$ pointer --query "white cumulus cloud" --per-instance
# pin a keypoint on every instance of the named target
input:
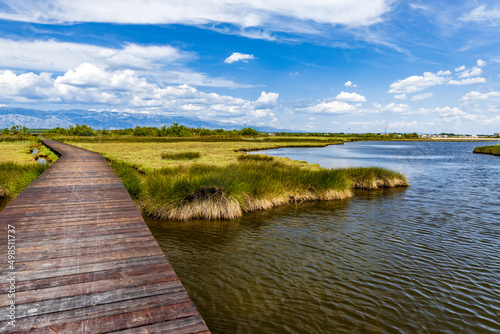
(467, 81)
(350, 84)
(480, 96)
(335, 107)
(236, 56)
(416, 83)
(481, 63)
(421, 97)
(164, 62)
(400, 96)
(351, 97)
(267, 99)
(397, 108)
(473, 72)
(125, 90)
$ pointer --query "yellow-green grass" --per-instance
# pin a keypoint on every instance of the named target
(18, 152)
(14, 177)
(147, 155)
(494, 150)
(18, 166)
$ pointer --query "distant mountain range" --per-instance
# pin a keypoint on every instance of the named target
(48, 119)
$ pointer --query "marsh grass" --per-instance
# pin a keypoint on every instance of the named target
(494, 149)
(210, 192)
(180, 155)
(255, 157)
(375, 178)
(14, 177)
(129, 176)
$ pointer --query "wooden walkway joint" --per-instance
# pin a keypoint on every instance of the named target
(82, 259)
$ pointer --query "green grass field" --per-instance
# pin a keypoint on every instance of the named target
(148, 155)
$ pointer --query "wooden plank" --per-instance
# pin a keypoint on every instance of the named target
(48, 319)
(86, 261)
(36, 284)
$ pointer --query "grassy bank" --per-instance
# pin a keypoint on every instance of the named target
(18, 166)
(226, 192)
(14, 177)
(494, 150)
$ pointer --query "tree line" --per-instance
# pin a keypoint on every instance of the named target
(174, 130)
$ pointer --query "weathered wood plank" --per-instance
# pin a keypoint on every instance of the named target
(85, 260)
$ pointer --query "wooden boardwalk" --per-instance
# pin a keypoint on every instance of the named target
(85, 260)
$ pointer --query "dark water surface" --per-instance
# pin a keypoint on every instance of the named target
(425, 259)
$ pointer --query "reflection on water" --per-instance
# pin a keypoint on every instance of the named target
(416, 260)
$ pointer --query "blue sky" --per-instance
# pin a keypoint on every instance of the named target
(316, 65)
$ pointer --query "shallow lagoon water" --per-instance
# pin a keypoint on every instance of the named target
(419, 260)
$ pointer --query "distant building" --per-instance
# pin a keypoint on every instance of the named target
(496, 134)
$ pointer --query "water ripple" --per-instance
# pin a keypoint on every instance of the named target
(420, 260)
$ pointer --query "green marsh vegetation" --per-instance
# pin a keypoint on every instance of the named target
(14, 177)
(18, 166)
(181, 173)
(201, 191)
(493, 150)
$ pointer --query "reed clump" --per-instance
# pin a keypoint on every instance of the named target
(180, 155)
(375, 178)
